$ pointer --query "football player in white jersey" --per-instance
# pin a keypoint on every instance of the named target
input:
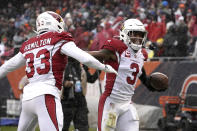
(126, 55)
(45, 57)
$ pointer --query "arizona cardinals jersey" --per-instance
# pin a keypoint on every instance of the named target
(44, 63)
(128, 66)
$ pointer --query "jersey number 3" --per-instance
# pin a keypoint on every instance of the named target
(134, 74)
(44, 56)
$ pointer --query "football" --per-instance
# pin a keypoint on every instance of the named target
(159, 81)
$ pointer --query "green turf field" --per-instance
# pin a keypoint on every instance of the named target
(11, 128)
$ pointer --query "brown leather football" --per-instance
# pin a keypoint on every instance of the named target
(159, 81)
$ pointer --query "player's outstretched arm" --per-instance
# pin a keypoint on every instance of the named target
(72, 50)
(103, 54)
(146, 80)
(15, 62)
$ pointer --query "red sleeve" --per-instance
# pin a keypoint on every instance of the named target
(63, 36)
(22, 47)
(114, 45)
(145, 54)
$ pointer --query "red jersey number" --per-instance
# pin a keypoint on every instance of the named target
(30, 67)
(44, 56)
(134, 74)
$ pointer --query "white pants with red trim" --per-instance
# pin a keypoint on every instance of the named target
(44, 109)
(117, 116)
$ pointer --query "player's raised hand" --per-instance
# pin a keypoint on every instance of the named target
(109, 69)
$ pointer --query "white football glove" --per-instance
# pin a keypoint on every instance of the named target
(109, 69)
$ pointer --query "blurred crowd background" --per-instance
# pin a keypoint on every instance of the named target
(171, 24)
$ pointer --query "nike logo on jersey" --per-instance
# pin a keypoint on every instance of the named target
(109, 41)
(37, 44)
(127, 54)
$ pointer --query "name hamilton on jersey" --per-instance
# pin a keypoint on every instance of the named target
(37, 44)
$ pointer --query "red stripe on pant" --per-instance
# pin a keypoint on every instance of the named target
(51, 108)
(100, 110)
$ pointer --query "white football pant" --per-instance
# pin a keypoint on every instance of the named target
(113, 116)
(44, 109)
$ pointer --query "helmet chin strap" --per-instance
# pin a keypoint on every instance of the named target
(131, 49)
(135, 47)
(135, 51)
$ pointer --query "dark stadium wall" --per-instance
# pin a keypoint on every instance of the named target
(182, 80)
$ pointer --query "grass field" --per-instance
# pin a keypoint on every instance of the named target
(12, 128)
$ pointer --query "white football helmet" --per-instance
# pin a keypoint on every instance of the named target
(128, 30)
(49, 21)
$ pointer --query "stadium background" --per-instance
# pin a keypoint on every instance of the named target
(103, 17)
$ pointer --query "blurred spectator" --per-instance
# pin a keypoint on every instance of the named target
(182, 38)
(8, 49)
(98, 29)
(149, 50)
(117, 24)
(11, 31)
(95, 45)
(170, 41)
(69, 22)
(192, 25)
(2, 48)
(164, 13)
(83, 40)
(155, 29)
(159, 50)
(18, 39)
(179, 12)
(176, 39)
(102, 36)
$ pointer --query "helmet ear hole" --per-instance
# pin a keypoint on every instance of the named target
(59, 27)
